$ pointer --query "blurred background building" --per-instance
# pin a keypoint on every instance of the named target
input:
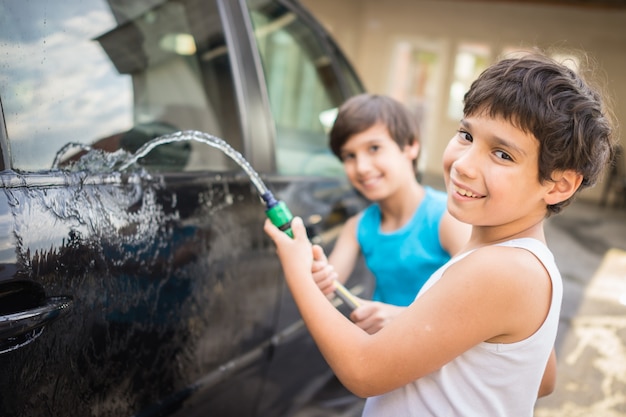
(427, 52)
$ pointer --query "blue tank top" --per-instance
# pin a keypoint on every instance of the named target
(403, 260)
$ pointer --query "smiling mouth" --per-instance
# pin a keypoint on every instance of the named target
(367, 182)
(466, 193)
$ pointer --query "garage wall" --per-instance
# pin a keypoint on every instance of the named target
(370, 32)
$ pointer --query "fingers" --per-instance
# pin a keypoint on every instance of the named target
(326, 282)
(284, 243)
(324, 276)
(318, 253)
(323, 273)
(299, 231)
(294, 254)
(319, 259)
(370, 316)
(297, 227)
(272, 231)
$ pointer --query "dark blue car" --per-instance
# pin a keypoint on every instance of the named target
(144, 285)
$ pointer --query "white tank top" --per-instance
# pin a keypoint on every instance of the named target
(489, 380)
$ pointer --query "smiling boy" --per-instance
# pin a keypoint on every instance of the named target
(406, 233)
(477, 339)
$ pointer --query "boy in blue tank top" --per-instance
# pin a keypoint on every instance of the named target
(406, 234)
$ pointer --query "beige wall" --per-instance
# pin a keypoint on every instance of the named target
(369, 30)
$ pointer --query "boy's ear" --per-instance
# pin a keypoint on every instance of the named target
(412, 150)
(563, 185)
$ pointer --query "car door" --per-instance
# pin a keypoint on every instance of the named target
(142, 284)
(137, 287)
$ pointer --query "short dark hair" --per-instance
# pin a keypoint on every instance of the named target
(361, 112)
(556, 105)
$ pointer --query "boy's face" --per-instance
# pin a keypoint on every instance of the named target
(375, 164)
(491, 172)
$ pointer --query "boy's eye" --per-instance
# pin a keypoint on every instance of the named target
(347, 156)
(465, 135)
(503, 155)
(374, 148)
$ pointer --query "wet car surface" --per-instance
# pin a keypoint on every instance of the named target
(146, 286)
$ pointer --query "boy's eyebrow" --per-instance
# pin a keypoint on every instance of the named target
(500, 141)
(371, 141)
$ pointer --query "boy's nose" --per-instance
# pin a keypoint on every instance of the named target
(363, 164)
(466, 163)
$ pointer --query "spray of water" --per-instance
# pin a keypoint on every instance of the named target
(276, 210)
(214, 141)
(61, 153)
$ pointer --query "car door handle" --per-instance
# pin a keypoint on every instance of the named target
(20, 328)
(19, 323)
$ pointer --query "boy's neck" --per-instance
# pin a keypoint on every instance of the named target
(398, 210)
(491, 235)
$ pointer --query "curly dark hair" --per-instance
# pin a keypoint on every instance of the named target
(362, 111)
(556, 105)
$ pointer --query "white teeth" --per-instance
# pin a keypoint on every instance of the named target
(465, 193)
(368, 181)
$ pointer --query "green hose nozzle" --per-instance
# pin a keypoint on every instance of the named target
(280, 216)
(278, 213)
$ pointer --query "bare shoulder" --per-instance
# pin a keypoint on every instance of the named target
(503, 266)
(353, 220)
(512, 283)
(494, 294)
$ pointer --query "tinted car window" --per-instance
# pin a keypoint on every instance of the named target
(303, 90)
(114, 75)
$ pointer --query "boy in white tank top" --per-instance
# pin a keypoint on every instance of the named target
(478, 338)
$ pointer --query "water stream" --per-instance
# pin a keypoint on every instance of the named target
(208, 139)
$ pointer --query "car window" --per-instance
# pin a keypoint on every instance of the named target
(303, 90)
(118, 76)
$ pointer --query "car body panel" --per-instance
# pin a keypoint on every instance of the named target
(152, 290)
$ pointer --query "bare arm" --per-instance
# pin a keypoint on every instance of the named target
(548, 382)
(467, 306)
(346, 250)
(453, 234)
(372, 316)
